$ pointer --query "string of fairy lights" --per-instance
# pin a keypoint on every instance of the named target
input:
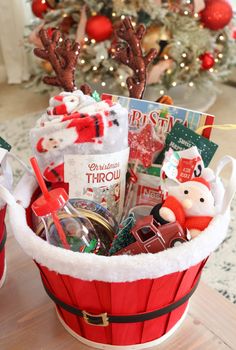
(101, 67)
(182, 64)
(93, 42)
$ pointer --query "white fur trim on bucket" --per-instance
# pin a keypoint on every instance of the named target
(124, 268)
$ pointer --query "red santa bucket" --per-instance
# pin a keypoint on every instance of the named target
(122, 314)
(3, 237)
(121, 301)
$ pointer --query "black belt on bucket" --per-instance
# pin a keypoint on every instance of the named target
(4, 238)
(104, 319)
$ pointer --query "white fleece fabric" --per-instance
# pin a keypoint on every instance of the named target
(121, 268)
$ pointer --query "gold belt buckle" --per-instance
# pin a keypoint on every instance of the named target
(96, 320)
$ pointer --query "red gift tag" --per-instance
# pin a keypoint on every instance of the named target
(186, 168)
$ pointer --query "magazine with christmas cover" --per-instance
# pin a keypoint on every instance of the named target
(161, 116)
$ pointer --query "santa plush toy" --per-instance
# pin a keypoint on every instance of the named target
(191, 204)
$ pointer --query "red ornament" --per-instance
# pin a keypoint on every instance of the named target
(208, 60)
(39, 8)
(144, 145)
(99, 28)
(217, 14)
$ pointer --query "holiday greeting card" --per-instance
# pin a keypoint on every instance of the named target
(181, 138)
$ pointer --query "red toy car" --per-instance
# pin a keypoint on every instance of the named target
(152, 238)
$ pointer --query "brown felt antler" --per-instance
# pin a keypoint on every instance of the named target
(132, 56)
(63, 55)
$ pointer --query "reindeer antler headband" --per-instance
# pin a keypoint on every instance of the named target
(132, 56)
(63, 56)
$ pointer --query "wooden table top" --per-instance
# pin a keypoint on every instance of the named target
(28, 320)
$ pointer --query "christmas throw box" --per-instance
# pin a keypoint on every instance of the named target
(99, 178)
(84, 142)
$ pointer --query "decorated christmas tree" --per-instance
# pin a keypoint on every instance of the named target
(195, 40)
(124, 237)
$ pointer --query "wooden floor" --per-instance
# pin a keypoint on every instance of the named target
(28, 320)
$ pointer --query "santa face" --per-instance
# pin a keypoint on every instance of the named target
(60, 105)
(59, 140)
(50, 143)
(197, 200)
(89, 193)
(72, 103)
